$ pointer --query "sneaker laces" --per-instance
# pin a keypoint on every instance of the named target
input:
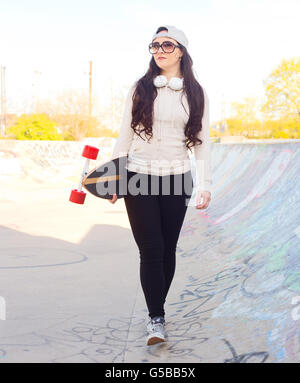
(157, 323)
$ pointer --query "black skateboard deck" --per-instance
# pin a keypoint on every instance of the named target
(107, 179)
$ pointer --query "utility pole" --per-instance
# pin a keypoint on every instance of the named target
(113, 104)
(35, 91)
(3, 103)
(90, 91)
(223, 113)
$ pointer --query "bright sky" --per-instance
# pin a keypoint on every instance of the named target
(234, 44)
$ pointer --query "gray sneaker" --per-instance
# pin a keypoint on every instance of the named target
(156, 331)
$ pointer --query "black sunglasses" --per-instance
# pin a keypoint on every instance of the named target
(167, 47)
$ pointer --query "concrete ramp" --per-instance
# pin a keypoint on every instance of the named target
(69, 274)
(49, 161)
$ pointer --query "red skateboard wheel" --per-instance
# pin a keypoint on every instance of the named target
(77, 196)
(90, 152)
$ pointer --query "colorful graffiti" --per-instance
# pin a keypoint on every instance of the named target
(47, 160)
(253, 222)
(236, 298)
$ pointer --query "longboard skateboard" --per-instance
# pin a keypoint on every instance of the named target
(104, 180)
(107, 179)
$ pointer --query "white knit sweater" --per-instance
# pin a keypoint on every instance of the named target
(165, 153)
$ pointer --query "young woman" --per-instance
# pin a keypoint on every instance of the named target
(166, 114)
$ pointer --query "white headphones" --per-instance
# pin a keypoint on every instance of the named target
(174, 83)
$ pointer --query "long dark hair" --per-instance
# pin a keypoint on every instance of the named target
(146, 92)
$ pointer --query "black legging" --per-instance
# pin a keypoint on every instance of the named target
(156, 220)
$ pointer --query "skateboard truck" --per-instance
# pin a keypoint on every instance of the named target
(90, 153)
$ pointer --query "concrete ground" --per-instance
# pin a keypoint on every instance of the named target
(69, 274)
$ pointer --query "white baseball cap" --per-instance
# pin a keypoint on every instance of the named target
(174, 33)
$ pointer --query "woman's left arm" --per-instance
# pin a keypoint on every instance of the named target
(202, 155)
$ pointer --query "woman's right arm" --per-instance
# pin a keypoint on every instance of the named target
(125, 137)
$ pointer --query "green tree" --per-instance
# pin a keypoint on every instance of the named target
(34, 127)
(282, 90)
(244, 118)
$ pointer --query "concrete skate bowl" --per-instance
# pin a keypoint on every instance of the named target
(240, 280)
(48, 161)
(255, 206)
(252, 237)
